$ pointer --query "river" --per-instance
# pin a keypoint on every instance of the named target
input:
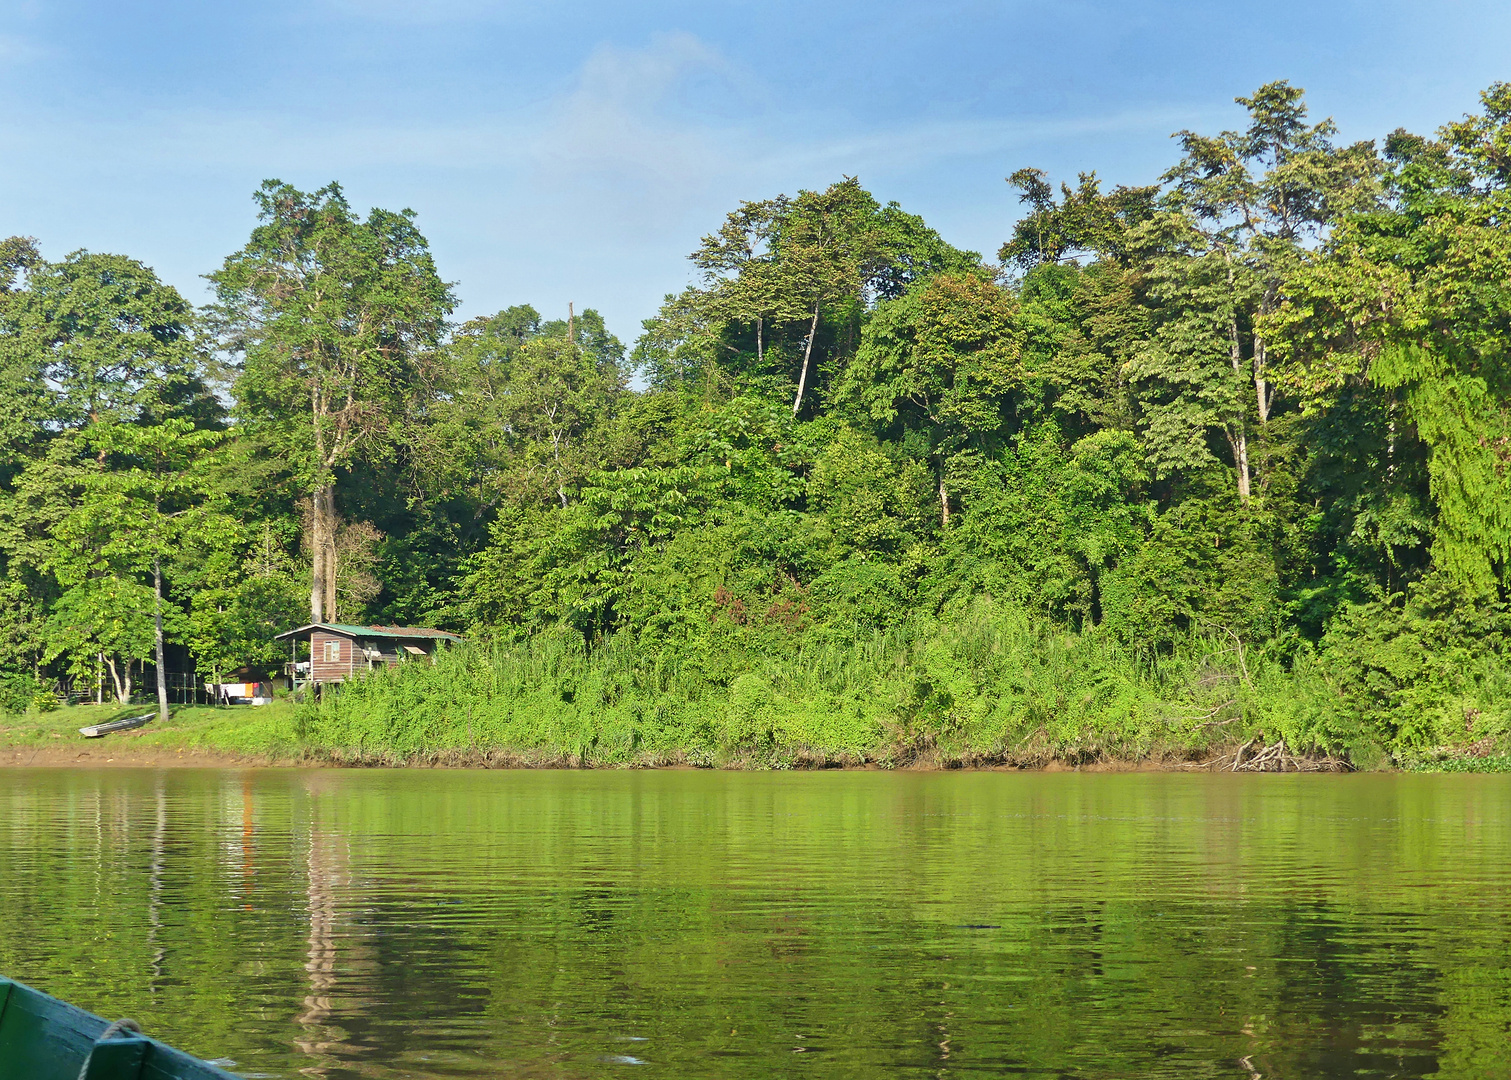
(427, 924)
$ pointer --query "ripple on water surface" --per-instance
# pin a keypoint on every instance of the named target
(553, 924)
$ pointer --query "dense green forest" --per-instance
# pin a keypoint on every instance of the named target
(1220, 458)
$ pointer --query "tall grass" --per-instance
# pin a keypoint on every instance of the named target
(990, 683)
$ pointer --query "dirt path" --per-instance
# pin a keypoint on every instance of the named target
(73, 755)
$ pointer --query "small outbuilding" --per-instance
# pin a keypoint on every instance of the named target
(246, 686)
(339, 650)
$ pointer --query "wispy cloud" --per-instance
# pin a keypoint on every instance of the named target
(921, 145)
(627, 129)
(595, 191)
(415, 12)
(15, 50)
(622, 134)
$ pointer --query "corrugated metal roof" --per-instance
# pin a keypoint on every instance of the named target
(351, 630)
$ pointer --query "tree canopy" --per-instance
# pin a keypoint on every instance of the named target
(1260, 400)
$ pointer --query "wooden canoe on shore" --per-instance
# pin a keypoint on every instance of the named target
(42, 1038)
(94, 731)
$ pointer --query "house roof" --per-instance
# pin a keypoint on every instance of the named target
(349, 630)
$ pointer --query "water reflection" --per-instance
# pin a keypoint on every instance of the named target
(375, 924)
(327, 865)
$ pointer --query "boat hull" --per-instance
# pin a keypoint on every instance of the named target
(95, 731)
(43, 1038)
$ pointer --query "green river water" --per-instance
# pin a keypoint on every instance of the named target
(704, 924)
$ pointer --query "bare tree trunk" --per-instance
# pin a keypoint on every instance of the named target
(122, 695)
(157, 631)
(1241, 453)
(1261, 385)
(323, 552)
(1390, 438)
(1239, 439)
(317, 545)
(802, 381)
(331, 566)
(944, 502)
(317, 559)
(760, 351)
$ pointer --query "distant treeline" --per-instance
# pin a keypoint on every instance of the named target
(1252, 420)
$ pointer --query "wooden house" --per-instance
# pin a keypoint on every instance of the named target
(339, 651)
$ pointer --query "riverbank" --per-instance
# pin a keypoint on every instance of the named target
(286, 733)
(987, 686)
(269, 736)
(195, 736)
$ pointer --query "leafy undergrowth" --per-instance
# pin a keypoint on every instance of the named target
(990, 685)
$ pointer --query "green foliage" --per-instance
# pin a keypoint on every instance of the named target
(328, 312)
(1419, 671)
(110, 341)
(989, 683)
(1463, 417)
(941, 358)
(244, 590)
(1084, 221)
(1045, 523)
(1205, 566)
(17, 691)
(1205, 460)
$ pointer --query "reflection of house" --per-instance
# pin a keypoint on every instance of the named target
(338, 650)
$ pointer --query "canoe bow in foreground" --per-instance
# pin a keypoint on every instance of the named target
(42, 1038)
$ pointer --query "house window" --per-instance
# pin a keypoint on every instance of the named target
(332, 651)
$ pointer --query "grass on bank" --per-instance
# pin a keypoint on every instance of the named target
(989, 685)
(234, 728)
(982, 690)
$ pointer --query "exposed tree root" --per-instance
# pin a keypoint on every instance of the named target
(1272, 758)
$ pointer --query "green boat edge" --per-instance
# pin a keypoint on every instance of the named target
(43, 1038)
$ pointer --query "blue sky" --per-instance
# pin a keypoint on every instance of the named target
(578, 152)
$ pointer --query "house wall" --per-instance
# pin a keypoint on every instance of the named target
(360, 654)
(382, 650)
(324, 670)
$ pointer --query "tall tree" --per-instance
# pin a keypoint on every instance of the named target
(742, 270)
(1084, 221)
(1189, 373)
(787, 268)
(1412, 300)
(24, 396)
(112, 342)
(1256, 198)
(556, 395)
(331, 314)
(939, 361)
(132, 519)
(92, 341)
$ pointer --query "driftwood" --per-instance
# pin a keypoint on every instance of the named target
(1272, 758)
